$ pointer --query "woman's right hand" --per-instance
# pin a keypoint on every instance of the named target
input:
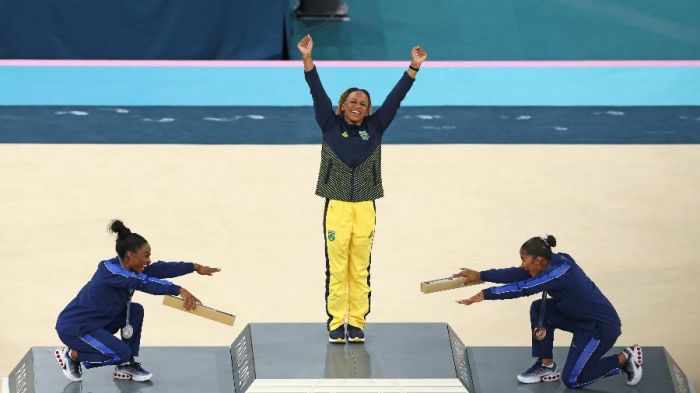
(306, 45)
(469, 274)
(190, 300)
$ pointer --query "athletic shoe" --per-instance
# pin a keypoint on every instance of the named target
(633, 365)
(71, 368)
(540, 373)
(132, 370)
(355, 334)
(337, 336)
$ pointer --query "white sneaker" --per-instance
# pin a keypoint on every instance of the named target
(71, 369)
(540, 373)
(633, 365)
(133, 371)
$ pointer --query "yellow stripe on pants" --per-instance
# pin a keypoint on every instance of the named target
(349, 232)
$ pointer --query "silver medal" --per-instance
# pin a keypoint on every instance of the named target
(127, 332)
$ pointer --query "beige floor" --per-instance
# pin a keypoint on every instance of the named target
(629, 214)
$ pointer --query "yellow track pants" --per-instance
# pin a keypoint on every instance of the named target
(349, 233)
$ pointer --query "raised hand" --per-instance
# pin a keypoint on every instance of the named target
(205, 270)
(306, 45)
(418, 56)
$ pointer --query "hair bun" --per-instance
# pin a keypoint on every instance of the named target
(119, 228)
(551, 241)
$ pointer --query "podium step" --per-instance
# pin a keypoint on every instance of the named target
(175, 370)
(297, 358)
(395, 356)
(356, 385)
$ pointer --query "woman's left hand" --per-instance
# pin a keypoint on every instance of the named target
(418, 56)
(205, 270)
(474, 299)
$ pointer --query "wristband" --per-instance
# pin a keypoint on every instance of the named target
(416, 69)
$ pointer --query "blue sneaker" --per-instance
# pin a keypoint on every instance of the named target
(540, 373)
(355, 334)
(132, 370)
(337, 336)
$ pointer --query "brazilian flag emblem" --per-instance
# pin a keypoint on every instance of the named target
(331, 235)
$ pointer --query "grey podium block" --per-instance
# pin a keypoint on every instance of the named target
(391, 351)
(284, 352)
(175, 370)
(494, 370)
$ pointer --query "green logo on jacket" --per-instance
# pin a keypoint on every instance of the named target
(331, 235)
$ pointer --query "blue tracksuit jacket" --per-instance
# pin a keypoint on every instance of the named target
(575, 294)
(105, 296)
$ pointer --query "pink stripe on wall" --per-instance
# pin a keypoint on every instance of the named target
(349, 64)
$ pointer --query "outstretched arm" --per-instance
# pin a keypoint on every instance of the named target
(114, 275)
(323, 108)
(205, 270)
(386, 113)
(545, 281)
(418, 56)
(162, 269)
(479, 296)
(305, 46)
(504, 276)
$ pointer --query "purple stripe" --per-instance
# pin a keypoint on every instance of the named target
(349, 64)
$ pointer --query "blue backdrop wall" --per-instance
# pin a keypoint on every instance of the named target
(154, 29)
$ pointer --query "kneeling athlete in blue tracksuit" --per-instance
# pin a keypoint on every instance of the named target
(576, 305)
(103, 306)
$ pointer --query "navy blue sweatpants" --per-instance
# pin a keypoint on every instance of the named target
(101, 348)
(585, 363)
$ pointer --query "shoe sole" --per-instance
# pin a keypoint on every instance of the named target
(336, 340)
(638, 360)
(64, 367)
(356, 340)
(637, 377)
(127, 376)
(546, 378)
(638, 354)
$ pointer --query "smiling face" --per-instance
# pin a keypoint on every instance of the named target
(136, 261)
(533, 265)
(355, 107)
